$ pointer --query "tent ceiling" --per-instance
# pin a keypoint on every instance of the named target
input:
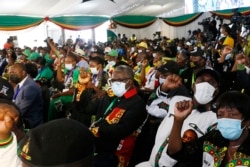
(51, 8)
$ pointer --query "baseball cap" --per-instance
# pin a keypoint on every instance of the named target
(57, 143)
(170, 66)
(229, 41)
(79, 52)
(6, 90)
(210, 71)
(26, 52)
(143, 44)
(197, 51)
(107, 49)
(113, 53)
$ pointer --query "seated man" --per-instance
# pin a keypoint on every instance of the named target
(27, 95)
(158, 106)
(118, 125)
(201, 119)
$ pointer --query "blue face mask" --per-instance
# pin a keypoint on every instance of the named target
(162, 80)
(230, 128)
(118, 88)
(39, 70)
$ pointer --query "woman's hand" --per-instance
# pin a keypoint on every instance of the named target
(8, 118)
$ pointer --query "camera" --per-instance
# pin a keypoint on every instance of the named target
(49, 39)
(205, 22)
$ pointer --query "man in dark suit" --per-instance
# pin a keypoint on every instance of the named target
(27, 96)
(119, 124)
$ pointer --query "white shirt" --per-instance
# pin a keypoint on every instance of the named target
(202, 120)
(22, 82)
(9, 156)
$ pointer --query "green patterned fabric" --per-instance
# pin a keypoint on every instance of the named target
(78, 22)
(135, 21)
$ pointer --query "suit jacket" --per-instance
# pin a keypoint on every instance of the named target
(30, 102)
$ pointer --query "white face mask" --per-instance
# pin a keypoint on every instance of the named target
(161, 80)
(139, 51)
(139, 63)
(202, 47)
(132, 50)
(93, 50)
(112, 63)
(204, 92)
(69, 66)
(94, 70)
(118, 88)
(178, 48)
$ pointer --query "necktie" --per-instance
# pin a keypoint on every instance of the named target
(16, 92)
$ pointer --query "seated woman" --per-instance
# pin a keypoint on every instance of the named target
(227, 145)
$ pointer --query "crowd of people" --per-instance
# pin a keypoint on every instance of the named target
(128, 102)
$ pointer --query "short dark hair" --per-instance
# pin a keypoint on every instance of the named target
(97, 60)
(31, 69)
(235, 99)
(40, 60)
(127, 69)
(72, 56)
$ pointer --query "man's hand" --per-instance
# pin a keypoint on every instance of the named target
(8, 118)
(183, 109)
(172, 81)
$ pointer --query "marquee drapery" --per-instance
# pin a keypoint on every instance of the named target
(78, 22)
(13, 23)
(228, 13)
(134, 21)
(181, 20)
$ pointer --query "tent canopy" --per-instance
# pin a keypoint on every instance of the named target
(54, 8)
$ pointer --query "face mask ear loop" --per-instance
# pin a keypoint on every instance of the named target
(245, 125)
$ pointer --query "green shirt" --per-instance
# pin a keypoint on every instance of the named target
(46, 73)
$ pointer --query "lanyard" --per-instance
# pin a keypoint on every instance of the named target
(159, 152)
(68, 76)
(107, 110)
(193, 78)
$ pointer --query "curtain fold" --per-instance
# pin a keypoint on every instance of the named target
(228, 13)
(78, 22)
(181, 20)
(13, 23)
(135, 21)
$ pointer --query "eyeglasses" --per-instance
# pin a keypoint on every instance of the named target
(118, 80)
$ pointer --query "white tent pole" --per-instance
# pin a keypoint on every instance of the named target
(93, 34)
(63, 35)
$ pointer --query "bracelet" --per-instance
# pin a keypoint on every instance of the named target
(7, 141)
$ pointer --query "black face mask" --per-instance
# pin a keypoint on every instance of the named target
(14, 78)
